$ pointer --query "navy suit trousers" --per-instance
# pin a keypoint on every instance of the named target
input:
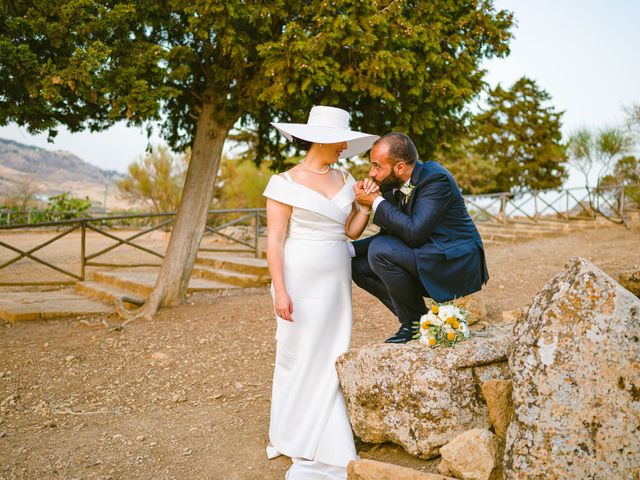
(389, 273)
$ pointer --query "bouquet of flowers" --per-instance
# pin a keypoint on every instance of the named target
(444, 324)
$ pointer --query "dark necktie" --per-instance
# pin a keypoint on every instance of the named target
(398, 197)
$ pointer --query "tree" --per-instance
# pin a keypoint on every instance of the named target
(22, 194)
(520, 134)
(156, 180)
(633, 120)
(626, 172)
(201, 67)
(474, 173)
(241, 184)
(65, 206)
(589, 150)
(597, 149)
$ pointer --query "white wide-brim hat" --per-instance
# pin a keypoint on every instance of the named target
(328, 125)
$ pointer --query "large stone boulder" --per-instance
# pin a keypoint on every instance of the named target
(418, 397)
(576, 380)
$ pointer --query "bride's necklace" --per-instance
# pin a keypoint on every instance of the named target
(319, 172)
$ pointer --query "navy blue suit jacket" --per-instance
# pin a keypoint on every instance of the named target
(435, 223)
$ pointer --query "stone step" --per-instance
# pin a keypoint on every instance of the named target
(522, 227)
(500, 237)
(520, 234)
(108, 293)
(544, 225)
(231, 277)
(20, 306)
(141, 283)
(250, 265)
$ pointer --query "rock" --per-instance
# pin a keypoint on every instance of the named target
(511, 315)
(418, 397)
(497, 393)
(140, 438)
(373, 470)
(472, 455)
(630, 279)
(49, 424)
(69, 358)
(3, 434)
(476, 305)
(576, 380)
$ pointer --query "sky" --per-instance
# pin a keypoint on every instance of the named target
(584, 53)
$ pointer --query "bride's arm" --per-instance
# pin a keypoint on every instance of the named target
(356, 221)
(359, 217)
(277, 220)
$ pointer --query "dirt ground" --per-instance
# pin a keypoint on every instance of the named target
(187, 395)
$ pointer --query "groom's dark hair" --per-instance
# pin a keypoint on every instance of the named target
(400, 148)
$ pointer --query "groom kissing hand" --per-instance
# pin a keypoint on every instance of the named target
(428, 245)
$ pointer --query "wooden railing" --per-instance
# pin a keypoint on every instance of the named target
(254, 216)
(549, 205)
(532, 206)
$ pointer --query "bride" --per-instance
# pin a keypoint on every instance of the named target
(310, 213)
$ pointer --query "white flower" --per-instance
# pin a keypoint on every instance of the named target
(426, 337)
(464, 329)
(447, 311)
(407, 189)
(431, 318)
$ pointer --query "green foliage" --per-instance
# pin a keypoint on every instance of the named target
(358, 168)
(156, 180)
(520, 135)
(626, 172)
(240, 185)
(473, 173)
(396, 65)
(65, 206)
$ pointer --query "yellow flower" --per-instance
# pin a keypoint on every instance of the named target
(425, 325)
(455, 323)
(450, 320)
(432, 341)
(435, 309)
(451, 336)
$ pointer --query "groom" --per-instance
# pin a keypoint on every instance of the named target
(428, 246)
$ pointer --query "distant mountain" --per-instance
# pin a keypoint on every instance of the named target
(53, 172)
(50, 165)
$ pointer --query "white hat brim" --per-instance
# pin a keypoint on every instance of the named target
(357, 142)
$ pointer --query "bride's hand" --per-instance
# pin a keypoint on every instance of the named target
(369, 186)
(284, 306)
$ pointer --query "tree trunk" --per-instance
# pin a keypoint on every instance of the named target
(171, 285)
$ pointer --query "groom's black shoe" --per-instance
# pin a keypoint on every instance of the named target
(402, 336)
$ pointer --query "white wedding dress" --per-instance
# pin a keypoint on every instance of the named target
(309, 420)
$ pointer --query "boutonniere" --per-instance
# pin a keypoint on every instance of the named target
(407, 190)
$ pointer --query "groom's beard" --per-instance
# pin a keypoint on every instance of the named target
(390, 182)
